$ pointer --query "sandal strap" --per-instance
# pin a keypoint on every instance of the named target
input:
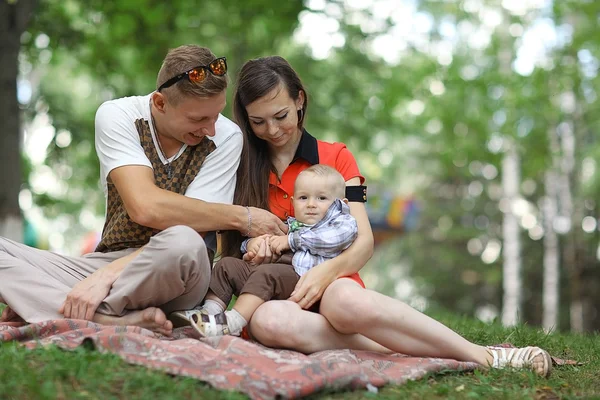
(521, 358)
(220, 318)
(209, 325)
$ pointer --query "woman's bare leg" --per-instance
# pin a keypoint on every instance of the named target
(283, 324)
(351, 309)
(356, 318)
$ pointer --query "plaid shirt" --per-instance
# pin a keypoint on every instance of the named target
(314, 244)
(325, 240)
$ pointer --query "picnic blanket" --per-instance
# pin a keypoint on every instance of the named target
(232, 363)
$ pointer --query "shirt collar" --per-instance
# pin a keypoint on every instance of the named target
(308, 148)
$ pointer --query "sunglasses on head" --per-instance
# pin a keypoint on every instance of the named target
(198, 74)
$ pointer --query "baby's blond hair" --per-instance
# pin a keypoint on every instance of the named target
(338, 183)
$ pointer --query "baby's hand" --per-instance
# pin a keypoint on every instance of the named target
(279, 244)
(253, 244)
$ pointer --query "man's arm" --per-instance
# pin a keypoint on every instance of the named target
(122, 161)
(148, 205)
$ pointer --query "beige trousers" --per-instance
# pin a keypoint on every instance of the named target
(172, 272)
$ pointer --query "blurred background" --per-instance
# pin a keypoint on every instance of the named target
(474, 121)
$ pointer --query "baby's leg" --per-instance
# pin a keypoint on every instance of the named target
(227, 278)
(266, 282)
(246, 304)
(212, 304)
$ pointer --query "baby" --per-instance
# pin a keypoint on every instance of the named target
(321, 230)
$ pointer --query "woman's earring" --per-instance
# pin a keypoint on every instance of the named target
(300, 115)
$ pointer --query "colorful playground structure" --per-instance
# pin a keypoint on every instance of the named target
(390, 214)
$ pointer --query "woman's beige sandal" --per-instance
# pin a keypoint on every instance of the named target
(208, 325)
(534, 358)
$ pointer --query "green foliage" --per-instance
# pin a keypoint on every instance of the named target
(435, 123)
(460, 204)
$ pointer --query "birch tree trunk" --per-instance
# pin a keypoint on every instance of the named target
(511, 179)
(14, 17)
(567, 211)
(551, 288)
(512, 282)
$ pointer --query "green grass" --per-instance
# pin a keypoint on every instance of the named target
(83, 374)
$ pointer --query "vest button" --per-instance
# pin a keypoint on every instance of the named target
(285, 196)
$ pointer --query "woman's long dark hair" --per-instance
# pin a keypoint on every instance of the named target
(256, 79)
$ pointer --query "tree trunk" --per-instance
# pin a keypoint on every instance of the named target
(512, 282)
(551, 289)
(14, 16)
(570, 213)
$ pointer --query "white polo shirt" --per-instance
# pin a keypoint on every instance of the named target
(118, 144)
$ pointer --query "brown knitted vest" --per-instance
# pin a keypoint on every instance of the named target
(120, 232)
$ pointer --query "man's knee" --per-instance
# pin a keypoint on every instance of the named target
(185, 248)
(185, 243)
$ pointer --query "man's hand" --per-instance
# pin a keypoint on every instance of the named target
(279, 244)
(312, 285)
(85, 297)
(263, 222)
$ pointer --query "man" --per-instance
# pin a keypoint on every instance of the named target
(168, 165)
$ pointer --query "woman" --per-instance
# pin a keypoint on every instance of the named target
(270, 106)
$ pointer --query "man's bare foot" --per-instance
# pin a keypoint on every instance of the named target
(8, 315)
(151, 318)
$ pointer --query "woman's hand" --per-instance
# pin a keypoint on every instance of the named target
(261, 254)
(312, 285)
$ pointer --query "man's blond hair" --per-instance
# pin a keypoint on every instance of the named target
(182, 59)
(338, 184)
